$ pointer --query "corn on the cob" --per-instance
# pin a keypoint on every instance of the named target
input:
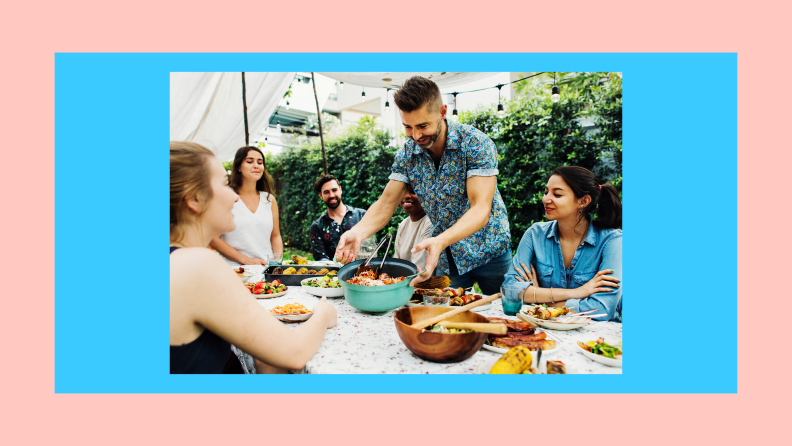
(333, 273)
(311, 271)
(515, 361)
(323, 271)
(289, 270)
(299, 260)
(435, 282)
(302, 270)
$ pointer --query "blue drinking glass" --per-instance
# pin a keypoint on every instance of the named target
(512, 298)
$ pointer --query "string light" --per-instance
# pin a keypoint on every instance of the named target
(278, 126)
(501, 111)
(454, 114)
(288, 106)
(387, 104)
(340, 85)
(363, 95)
(555, 96)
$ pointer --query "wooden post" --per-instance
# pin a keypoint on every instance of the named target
(319, 115)
(244, 109)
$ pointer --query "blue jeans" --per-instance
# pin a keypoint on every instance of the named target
(489, 276)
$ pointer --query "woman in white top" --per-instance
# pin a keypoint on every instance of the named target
(412, 230)
(257, 234)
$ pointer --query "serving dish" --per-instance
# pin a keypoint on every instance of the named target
(438, 347)
(610, 362)
(494, 349)
(317, 291)
(571, 323)
(292, 279)
(377, 299)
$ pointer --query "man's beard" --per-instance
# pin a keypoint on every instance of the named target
(333, 205)
(432, 139)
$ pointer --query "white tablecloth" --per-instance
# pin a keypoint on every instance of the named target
(368, 343)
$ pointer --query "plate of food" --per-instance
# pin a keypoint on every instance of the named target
(519, 333)
(291, 311)
(455, 297)
(552, 318)
(266, 290)
(327, 286)
(511, 365)
(602, 352)
(245, 272)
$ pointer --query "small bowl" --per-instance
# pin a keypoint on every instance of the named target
(319, 292)
(438, 347)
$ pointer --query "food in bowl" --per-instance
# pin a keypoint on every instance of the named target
(371, 278)
(599, 347)
(438, 347)
(437, 328)
(290, 309)
(327, 281)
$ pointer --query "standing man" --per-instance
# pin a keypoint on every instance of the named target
(452, 168)
(337, 219)
(412, 230)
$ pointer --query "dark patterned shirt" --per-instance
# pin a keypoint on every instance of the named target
(325, 232)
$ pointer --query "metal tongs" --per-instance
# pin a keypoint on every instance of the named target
(365, 264)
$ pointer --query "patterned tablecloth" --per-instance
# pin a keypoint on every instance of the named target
(368, 343)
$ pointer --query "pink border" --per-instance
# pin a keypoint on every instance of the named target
(34, 414)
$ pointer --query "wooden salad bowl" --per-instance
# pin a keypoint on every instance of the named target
(438, 347)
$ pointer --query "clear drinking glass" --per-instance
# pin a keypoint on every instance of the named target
(367, 246)
(275, 259)
(512, 298)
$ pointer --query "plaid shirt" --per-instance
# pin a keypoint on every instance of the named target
(443, 192)
(325, 232)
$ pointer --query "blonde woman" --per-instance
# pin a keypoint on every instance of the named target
(257, 234)
(210, 309)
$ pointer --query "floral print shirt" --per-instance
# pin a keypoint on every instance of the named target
(443, 192)
(325, 232)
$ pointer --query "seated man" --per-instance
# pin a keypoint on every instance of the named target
(337, 219)
(412, 230)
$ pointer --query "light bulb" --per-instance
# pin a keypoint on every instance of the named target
(454, 116)
(265, 137)
(340, 85)
(556, 96)
(363, 97)
(288, 106)
(501, 111)
(387, 106)
(278, 126)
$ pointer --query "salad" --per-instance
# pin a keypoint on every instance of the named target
(327, 281)
(600, 347)
(273, 287)
(437, 328)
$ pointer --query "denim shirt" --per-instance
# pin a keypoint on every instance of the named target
(601, 249)
(443, 193)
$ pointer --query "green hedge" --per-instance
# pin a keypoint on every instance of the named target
(360, 157)
(534, 137)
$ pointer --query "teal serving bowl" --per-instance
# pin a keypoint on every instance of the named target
(377, 299)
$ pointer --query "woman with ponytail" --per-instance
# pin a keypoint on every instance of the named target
(574, 259)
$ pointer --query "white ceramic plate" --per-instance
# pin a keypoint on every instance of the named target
(308, 303)
(270, 296)
(319, 292)
(572, 324)
(610, 362)
(504, 350)
(485, 367)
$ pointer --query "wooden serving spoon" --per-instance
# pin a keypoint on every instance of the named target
(431, 321)
(476, 326)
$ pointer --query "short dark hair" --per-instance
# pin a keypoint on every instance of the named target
(416, 92)
(265, 183)
(321, 181)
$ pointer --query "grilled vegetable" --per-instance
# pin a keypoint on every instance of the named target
(302, 270)
(435, 282)
(289, 270)
(515, 361)
(311, 271)
(556, 368)
(323, 271)
(299, 260)
(333, 273)
(277, 270)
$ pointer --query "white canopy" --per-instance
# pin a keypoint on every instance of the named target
(207, 107)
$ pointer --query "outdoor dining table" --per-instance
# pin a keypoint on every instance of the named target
(365, 342)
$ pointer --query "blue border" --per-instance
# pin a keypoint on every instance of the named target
(680, 245)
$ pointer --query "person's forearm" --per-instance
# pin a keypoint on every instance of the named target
(307, 339)
(473, 220)
(543, 295)
(227, 250)
(277, 244)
